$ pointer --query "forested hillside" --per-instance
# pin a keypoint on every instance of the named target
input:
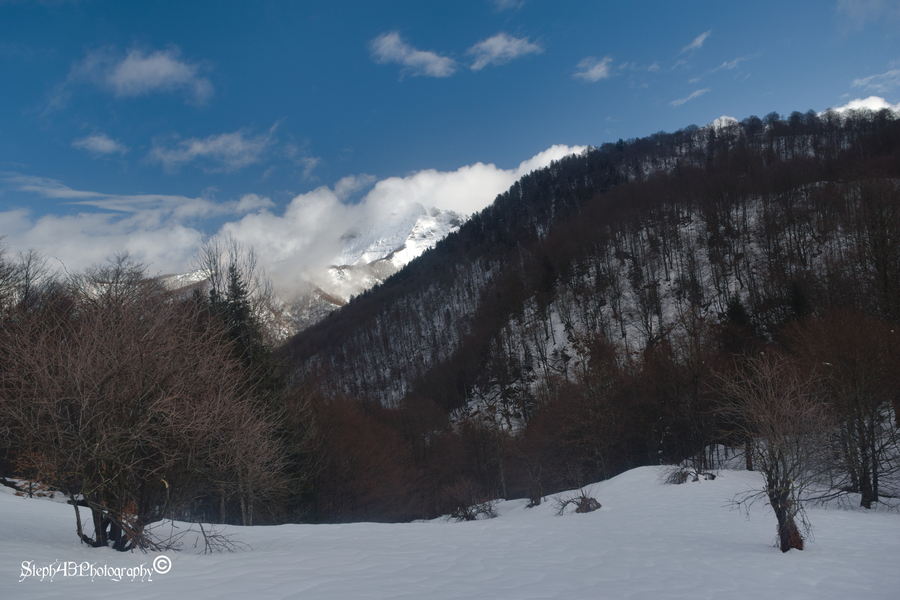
(580, 325)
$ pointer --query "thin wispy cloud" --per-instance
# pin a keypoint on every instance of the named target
(883, 83)
(99, 144)
(162, 231)
(594, 69)
(179, 207)
(732, 64)
(216, 153)
(137, 73)
(309, 163)
(694, 95)
(390, 48)
(857, 13)
(698, 42)
(502, 5)
(500, 49)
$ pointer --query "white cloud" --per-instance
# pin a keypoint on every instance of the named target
(883, 83)
(351, 184)
(696, 94)
(138, 73)
(594, 69)
(389, 48)
(698, 41)
(500, 49)
(161, 71)
(223, 152)
(99, 144)
(874, 103)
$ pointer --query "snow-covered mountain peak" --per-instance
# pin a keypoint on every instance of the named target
(402, 236)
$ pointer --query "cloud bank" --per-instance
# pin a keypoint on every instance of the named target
(298, 241)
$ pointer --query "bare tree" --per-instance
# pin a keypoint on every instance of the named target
(237, 287)
(135, 403)
(773, 403)
(7, 279)
(858, 357)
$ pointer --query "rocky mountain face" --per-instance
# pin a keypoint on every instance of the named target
(368, 256)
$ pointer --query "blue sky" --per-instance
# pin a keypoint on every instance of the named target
(145, 125)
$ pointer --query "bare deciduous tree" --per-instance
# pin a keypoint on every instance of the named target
(858, 357)
(135, 402)
(773, 403)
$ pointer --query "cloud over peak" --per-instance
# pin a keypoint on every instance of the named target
(390, 48)
(874, 103)
(500, 49)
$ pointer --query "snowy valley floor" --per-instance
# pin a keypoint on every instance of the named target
(647, 541)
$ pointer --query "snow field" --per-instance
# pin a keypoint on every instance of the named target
(647, 541)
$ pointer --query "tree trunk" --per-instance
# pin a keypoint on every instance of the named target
(788, 533)
(77, 518)
(748, 454)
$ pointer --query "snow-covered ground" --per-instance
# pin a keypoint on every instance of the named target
(647, 541)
